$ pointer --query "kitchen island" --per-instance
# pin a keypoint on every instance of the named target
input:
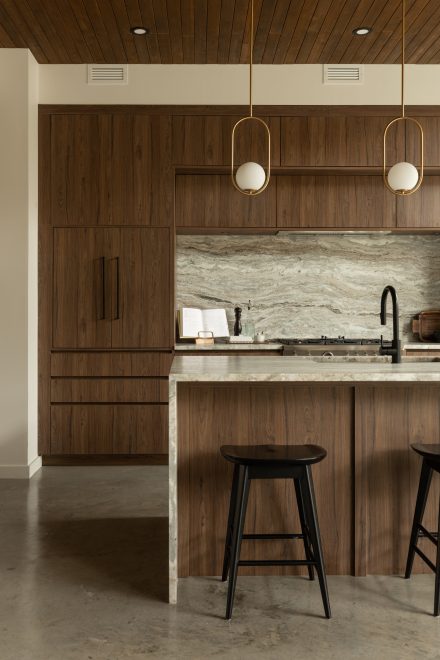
(364, 414)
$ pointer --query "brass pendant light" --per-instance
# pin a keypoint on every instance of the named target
(250, 178)
(403, 178)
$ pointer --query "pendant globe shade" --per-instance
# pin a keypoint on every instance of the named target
(403, 177)
(250, 177)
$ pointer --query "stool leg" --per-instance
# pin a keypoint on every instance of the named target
(422, 496)
(437, 572)
(312, 520)
(232, 507)
(304, 530)
(237, 534)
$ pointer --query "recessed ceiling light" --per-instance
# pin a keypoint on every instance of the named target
(139, 30)
(362, 31)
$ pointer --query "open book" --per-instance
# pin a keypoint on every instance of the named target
(191, 321)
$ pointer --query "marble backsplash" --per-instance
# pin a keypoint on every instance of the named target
(308, 285)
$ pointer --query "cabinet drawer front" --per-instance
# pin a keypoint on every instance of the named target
(109, 429)
(109, 390)
(117, 363)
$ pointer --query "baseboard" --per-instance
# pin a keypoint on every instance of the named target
(106, 459)
(20, 471)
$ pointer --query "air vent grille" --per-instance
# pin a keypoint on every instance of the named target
(343, 74)
(107, 74)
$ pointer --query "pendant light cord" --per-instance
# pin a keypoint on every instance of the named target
(251, 48)
(403, 57)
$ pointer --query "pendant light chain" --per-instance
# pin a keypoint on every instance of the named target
(251, 55)
(403, 57)
(403, 178)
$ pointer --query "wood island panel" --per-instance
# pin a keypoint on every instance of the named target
(212, 415)
(388, 420)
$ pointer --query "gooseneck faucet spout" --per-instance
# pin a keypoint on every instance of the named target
(390, 348)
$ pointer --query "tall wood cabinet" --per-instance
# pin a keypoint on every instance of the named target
(106, 282)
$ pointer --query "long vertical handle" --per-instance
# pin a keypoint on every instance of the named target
(117, 316)
(103, 310)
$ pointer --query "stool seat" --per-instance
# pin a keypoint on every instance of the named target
(273, 454)
(427, 451)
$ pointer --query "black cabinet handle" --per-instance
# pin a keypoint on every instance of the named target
(117, 316)
(103, 310)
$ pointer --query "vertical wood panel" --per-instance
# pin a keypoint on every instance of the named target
(334, 201)
(388, 419)
(422, 209)
(210, 416)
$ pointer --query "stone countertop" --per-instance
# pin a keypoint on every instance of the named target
(420, 346)
(289, 369)
(265, 346)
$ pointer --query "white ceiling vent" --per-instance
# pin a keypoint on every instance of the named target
(343, 74)
(107, 74)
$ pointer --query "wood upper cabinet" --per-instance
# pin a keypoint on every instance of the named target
(346, 141)
(431, 128)
(421, 209)
(210, 200)
(111, 288)
(110, 169)
(207, 140)
(334, 202)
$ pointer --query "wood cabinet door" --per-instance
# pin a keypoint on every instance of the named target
(422, 209)
(210, 200)
(141, 304)
(207, 140)
(111, 288)
(337, 201)
(431, 146)
(109, 429)
(111, 169)
(81, 300)
(346, 141)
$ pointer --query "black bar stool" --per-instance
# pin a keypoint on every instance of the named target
(273, 462)
(431, 461)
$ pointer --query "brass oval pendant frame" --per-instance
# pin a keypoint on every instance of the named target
(266, 182)
(385, 173)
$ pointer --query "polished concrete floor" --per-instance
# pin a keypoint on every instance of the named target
(83, 561)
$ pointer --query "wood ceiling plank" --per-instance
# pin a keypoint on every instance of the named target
(87, 31)
(213, 30)
(301, 30)
(111, 24)
(148, 20)
(244, 57)
(72, 30)
(16, 23)
(275, 30)
(188, 31)
(57, 25)
(200, 30)
(422, 48)
(100, 31)
(262, 28)
(323, 17)
(135, 19)
(175, 26)
(162, 30)
(386, 19)
(226, 22)
(358, 18)
(342, 24)
(238, 30)
(122, 23)
(329, 24)
(290, 24)
(416, 17)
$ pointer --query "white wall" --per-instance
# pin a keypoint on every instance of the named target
(297, 84)
(18, 263)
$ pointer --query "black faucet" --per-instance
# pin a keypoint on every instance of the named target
(390, 348)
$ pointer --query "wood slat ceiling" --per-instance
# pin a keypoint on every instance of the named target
(217, 31)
